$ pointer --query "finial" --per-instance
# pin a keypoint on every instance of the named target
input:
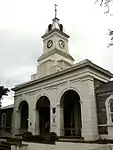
(56, 11)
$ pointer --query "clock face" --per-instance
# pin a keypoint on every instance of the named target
(61, 43)
(49, 43)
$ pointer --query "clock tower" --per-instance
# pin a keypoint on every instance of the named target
(55, 37)
(55, 55)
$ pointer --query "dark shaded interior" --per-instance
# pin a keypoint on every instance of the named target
(24, 115)
(49, 27)
(43, 105)
(61, 27)
(70, 102)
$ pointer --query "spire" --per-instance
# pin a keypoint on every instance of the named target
(55, 24)
(55, 19)
(56, 10)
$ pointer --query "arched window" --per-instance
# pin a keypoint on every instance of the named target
(24, 114)
(3, 120)
(111, 110)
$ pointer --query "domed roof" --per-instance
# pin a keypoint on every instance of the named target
(55, 25)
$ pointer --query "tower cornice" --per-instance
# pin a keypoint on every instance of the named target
(55, 30)
(57, 52)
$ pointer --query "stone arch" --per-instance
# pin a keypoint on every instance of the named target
(19, 102)
(43, 101)
(71, 113)
(24, 115)
(39, 96)
(66, 89)
(43, 113)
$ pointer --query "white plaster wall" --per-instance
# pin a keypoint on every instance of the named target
(51, 65)
(90, 125)
(54, 93)
(55, 57)
(16, 119)
(55, 37)
(81, 81)
(88, 105)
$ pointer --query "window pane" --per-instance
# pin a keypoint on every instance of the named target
(3, 120)
(111, 117)
(111, 105)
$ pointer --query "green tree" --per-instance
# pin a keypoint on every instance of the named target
(3, 92)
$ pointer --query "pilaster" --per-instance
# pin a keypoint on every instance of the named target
(35, 122)
(60, 121)
(16, 122)
(90, 131)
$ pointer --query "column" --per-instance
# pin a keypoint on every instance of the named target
(35, 122)
(53, 119)
(82, 118)
(17, 122)
(60, 121)
(51, 127)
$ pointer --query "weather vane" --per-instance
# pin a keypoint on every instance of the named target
(56, 10)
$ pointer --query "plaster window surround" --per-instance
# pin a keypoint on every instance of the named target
(109, 112)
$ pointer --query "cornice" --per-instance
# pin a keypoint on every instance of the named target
(64, 54)
(55, 30)
(83, 64)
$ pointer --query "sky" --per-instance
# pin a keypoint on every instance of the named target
(23, 22)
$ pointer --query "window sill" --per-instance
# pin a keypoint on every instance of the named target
(106, 125)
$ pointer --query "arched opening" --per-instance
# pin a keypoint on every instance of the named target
(49, 27)
(3, 124)
(3, 120)
(43, 108)
(24, 112)
(61, 27)
(70, 102)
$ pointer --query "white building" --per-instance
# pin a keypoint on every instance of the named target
(63, 97)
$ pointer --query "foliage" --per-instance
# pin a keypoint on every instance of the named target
(106, 4)
(111, 37)
(3, 92)
(47, 138)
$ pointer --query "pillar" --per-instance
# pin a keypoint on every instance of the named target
(60, 121)
(17, 122)
(53, 119)
(35, 122)
(82, 118)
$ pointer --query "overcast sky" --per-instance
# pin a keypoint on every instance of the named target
(23, 22)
